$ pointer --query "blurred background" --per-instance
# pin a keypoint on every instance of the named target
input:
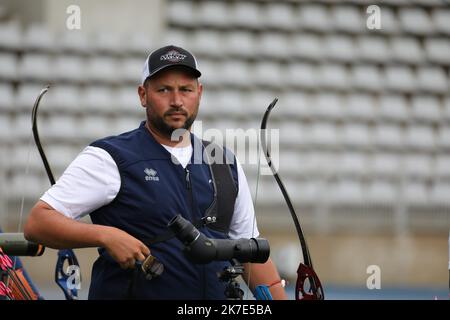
(364, 119)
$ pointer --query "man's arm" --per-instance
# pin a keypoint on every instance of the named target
(51, 228)
(264, 274)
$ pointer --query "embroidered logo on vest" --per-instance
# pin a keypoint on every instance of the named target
(151, 175)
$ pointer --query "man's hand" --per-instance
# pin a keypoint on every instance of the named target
(124, 248)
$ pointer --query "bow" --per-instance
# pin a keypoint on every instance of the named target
(62, 278)
(305, 272)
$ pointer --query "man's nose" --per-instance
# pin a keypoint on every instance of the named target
(176, 100)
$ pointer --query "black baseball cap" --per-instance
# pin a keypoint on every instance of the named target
(169, 56)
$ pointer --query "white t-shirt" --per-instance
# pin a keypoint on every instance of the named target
(92, 180)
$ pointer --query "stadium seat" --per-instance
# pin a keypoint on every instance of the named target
(359, 107)
(420, 138)
(106, 43)
(182, 13)
(279, 16)
(100, 69)
(381, 192)
(388, 137)
(5, 128)
(415, 21)
(273, 46)
(393, 107)
(208, 43)
(8, 66)
(327, 106)
(439, 194)
(11, 37)
(69, 68)
(339, 48)
(433, 80)
(442, 167)
(426, 108)
(130, 70)
(294, 133)
(236, 74)
(35, 67)
(127, 101)
(367, 78)
(307, 46)
(26, 96)
(347, 192)
(98, 99)
(7, 98)
(229, 103)
(389, 21)
(348, 19)
(240, 44)
(441, 17)
(38, 38)
(443, 138)
(314, 17)
(267, 74)
(324, 135)
(74, 42)
(400, 79)
(415, 194)
(296, 104)
(247, 15)
(418, 166)
(373, 49)
(438, 50)
(137, 43)
(333, 77)
(356, 136)
(406, 50)
(64, 98)
(301, 75)
(385, 165)
(213, 14)
(351, 165)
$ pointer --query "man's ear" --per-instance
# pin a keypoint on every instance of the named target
(142, 95)
(200, 89)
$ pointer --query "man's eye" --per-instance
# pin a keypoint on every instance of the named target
(186, 89)
(163, 90)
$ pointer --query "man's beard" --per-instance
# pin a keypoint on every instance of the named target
(165, 129)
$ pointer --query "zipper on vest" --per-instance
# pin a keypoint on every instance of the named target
(188, 179)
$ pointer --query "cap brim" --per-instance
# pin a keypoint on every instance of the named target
(196, 73)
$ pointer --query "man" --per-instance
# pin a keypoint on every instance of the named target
(133, 184)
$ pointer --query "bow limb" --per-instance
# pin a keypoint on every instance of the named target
(62, 278)
(305, 272)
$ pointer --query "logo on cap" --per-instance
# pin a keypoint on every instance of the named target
(173, 56)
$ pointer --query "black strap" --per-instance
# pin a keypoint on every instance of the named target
(225, 188)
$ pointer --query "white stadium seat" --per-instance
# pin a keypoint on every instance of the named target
(441, 17)
(296, 104)
(367, 78)
(69, 68)
(64, 98)
(442, 167)
(406, 49)
(420, 138)
(246, 15)
(73, 42)
(359, 107)
(208, 43)
(415, 193)
(101, 69)
(385, 165)
(8, 66)
(301, 75)
(418, 166)
(438, 50)
(327, 106)
(393, 107)
(7, 98)
(314, 17)
(339, 48)
(324, 135)
(183, 13)
(213, 14)
(426, 108)
(307, 46)
(382, 193)
(416, 21)
(333, 76)
(443, 138)
(356, 136)
(279, 16)
(274, 45)
(389, 137)
(240, 43)
(400, 78)
(433, 80)
(39, 37)
(348, 18)
(347, 192)
(373, 49)
(11, 37)
(35, 67)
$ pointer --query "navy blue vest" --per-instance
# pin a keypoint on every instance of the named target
(153, 190)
